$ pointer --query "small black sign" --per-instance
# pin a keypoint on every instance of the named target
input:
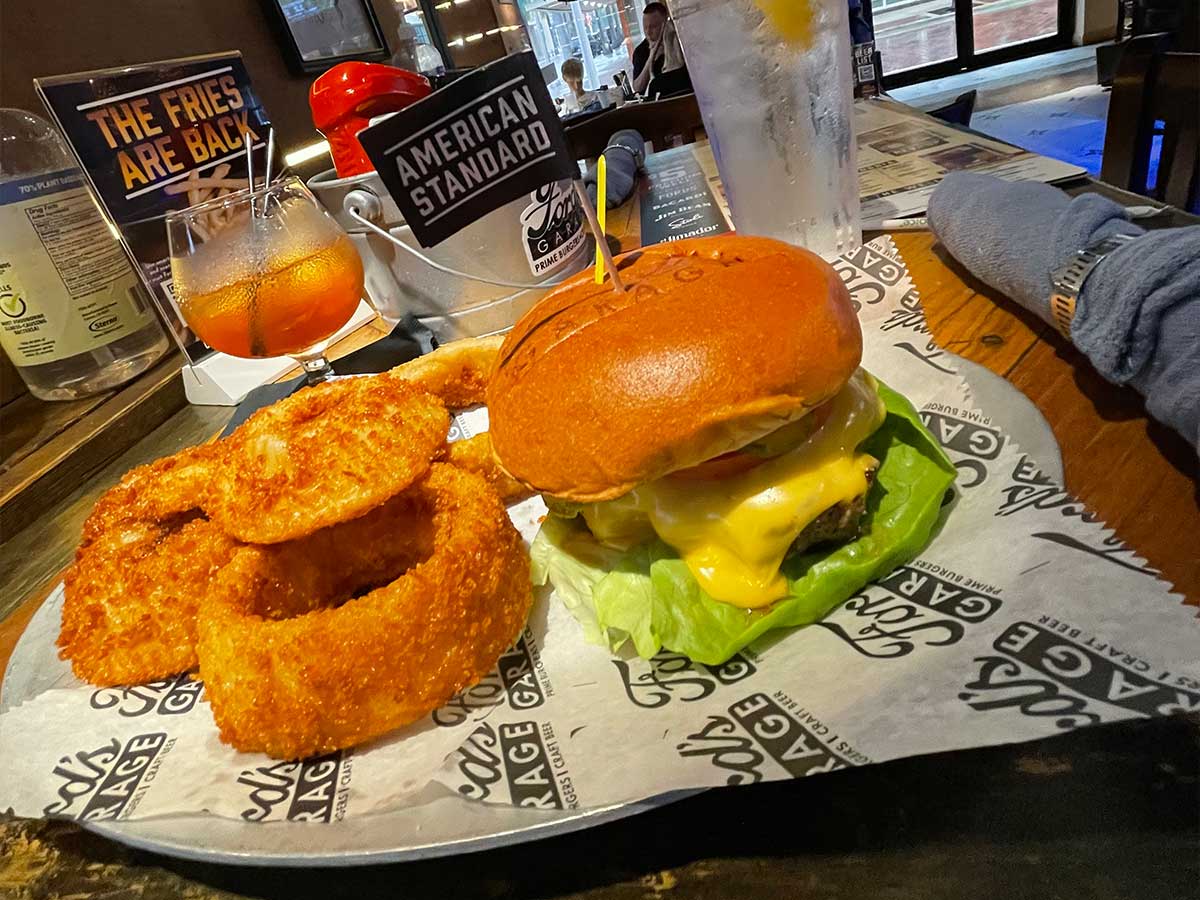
(478, 143)
(678, 202)
(865, 84)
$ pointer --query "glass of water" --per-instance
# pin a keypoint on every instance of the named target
(773, 81)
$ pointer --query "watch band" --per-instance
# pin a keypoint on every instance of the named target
(1068, 280)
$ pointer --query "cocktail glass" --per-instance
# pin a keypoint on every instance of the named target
(265, 273)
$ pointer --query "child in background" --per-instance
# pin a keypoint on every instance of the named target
(578, 99)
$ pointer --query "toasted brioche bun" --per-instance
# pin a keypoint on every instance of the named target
(716, 343)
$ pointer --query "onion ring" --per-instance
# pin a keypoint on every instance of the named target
(146, 559)
(475, 455)
(324, 455)
(165, 487)
(456, 373)
(302, 651)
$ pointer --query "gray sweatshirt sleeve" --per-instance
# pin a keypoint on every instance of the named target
(1138, 317)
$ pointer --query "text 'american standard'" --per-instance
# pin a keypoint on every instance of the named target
(470, 148)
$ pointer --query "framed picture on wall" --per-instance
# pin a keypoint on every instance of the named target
(317, 34)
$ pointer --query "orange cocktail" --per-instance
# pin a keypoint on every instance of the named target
(294, 304)
(264, 274)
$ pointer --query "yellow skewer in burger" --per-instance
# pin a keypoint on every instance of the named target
(708, 444)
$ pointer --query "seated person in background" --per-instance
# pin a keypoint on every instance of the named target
(660, 52)
(670, 84)
(578, 99)
(860, 31)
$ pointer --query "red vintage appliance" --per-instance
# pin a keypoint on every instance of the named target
(346, 98)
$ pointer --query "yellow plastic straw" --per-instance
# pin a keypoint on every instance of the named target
(601, 205)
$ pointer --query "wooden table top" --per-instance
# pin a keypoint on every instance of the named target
(1108, 811)
(1132, 472)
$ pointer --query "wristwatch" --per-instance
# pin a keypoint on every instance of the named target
(1068, 280)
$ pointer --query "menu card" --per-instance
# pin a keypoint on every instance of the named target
(679, 201)
(903, 154)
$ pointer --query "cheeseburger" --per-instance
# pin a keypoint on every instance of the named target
(714, 422)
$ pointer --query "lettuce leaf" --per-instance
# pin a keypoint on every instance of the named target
(647, 595)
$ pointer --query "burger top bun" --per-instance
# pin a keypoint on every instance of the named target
(715, 343)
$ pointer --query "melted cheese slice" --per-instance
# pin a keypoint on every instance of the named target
(733, 533)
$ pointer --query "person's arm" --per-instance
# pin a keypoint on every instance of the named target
(672, 50)
(1137, 318)
(641, 79)
(641, 54)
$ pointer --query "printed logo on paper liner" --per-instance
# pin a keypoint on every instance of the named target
(908, 314)
(308, 790)
(109, 781)
(1054, 670)
(670, 676)
(776, 728)
(520, 763)
(864, 290)
(967, 438)
(872, 272)
(170, 697)
(1029, 488)
(919, 605)
(459, 429)
(868, 273)
(520, 679)
(931, 354)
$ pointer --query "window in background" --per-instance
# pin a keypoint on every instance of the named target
(950, 35)
(320, 33)
(599, 33)
(914, 33)
(1000, 23)
(476, 32)
(412, 15)
(415, 48)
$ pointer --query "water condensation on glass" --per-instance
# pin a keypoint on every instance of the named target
(779, 117)
(245, 246)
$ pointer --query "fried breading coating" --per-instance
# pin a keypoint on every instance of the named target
(163, 488)
(325, 455)
(146, 558)
(475, 455)
(457, 373)
(322, 643)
